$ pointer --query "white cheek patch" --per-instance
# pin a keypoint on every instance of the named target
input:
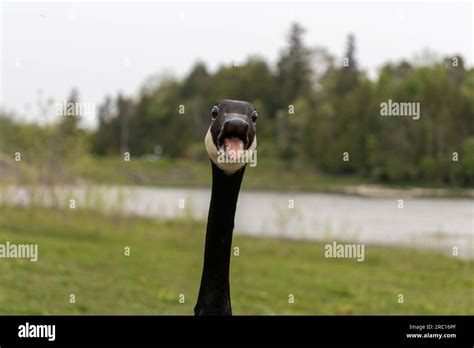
(210, 146)
(213, 153)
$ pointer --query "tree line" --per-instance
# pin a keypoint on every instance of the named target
(314, 109)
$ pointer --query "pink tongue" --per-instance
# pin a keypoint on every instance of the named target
(234, 147)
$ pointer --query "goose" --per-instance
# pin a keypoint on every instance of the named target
(231, 134)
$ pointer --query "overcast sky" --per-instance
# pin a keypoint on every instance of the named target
(48, 48)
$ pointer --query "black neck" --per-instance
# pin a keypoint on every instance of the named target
(214, 293)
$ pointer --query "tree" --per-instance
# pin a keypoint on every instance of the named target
(347, 77)
(294, 74)
(350, 52)
(104, 140)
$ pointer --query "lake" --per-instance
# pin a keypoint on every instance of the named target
(434, 223)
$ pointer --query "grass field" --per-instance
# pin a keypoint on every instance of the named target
(82, 253)
(268, 175)
(197, 173)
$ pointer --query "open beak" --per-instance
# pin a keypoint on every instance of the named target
(233, 138)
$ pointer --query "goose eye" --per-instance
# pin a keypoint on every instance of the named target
(254, 116)
(214, 112)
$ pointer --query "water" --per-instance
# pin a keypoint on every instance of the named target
(438, 224)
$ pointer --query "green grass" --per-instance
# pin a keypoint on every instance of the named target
(268, 175)
(82, 253)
